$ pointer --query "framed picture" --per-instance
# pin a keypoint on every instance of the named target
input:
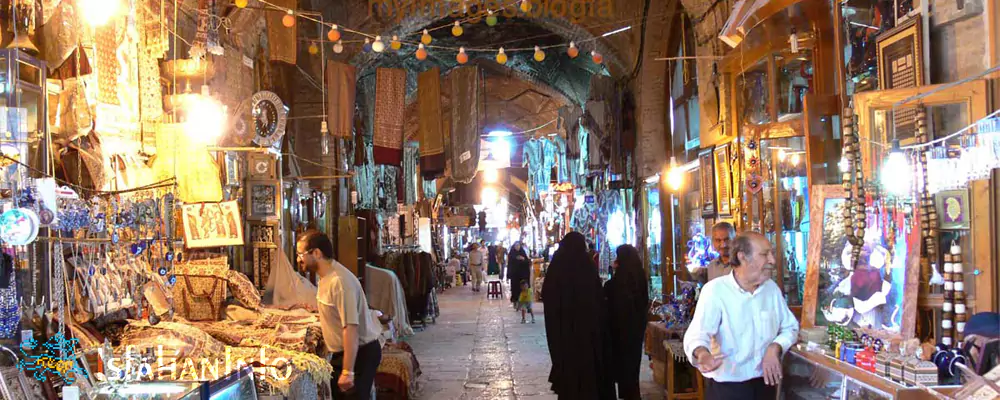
(879, 294)
(263, 200)
(953, 209)
(900, 56)
(212, 224)
(707, 176)
(723, 182)
(262, 166)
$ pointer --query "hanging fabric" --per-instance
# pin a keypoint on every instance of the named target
(390, 102)
(411, 155)
(431, 133)
(341, 80)
(364, 180)
(596, 120)
(569, 122)
(61, 35)
(562, 163)
(282, 41)
(465, 104)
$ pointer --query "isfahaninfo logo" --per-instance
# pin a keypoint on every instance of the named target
(473, 11)
(52, 357)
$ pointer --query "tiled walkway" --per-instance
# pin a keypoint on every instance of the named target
(479, 350)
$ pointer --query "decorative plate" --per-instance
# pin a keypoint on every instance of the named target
(19, 226)
(269, 117)
(240, 124)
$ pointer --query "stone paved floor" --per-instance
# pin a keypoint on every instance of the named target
(479, 350)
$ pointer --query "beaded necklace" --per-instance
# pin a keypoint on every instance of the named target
(854, 187)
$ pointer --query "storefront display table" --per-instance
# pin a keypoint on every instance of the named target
(677, 364)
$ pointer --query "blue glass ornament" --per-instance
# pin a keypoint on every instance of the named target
(115, 238)
(163, 271)
(136, 249)
(92, 270)
(172, 279)
(169, 256)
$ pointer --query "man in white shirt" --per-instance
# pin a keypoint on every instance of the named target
(477, 262)
(349, 331)
(742, 326)
(722, 235)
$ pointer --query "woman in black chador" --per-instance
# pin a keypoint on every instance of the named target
(628, 302)
(575, 324)
(518, 269)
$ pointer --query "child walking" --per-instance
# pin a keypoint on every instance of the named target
(524, 301)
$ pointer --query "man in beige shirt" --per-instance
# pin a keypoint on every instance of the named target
(722, 235)
(349, 332)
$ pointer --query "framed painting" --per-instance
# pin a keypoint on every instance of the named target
(212, 224)
(953, 209)
(706, 173)
(723, 182)
(900, 56)
(263, 200)
(878, 295)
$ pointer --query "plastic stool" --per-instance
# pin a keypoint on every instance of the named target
(494, 289)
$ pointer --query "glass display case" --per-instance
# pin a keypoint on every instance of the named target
(238, 385)
(154, 391)
(654, 235)
(784, 217)
(813, 376)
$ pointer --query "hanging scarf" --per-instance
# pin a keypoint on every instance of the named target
(411, 155)
(341, 87)
(282, 41)
(464, 124)
(569, 122)
(390, 103)
(431, 131)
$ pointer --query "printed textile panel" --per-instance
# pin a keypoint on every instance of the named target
(243, 290)
(107, 63)
(390, 103)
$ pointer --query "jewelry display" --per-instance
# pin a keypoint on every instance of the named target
(854, 187)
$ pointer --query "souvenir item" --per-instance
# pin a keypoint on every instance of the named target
(19, 226)
(269, 116)
(854, 186)
(10, 314)
(202, 288)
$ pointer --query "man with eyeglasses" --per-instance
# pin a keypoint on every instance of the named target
(349, 332)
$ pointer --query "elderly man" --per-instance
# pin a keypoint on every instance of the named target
(722, 235)
(742, 326)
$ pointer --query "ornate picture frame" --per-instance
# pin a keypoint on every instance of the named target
(900, 56)
(953, 209)
(723, 181)
(212, 224)
(706, 173)
(263, 200)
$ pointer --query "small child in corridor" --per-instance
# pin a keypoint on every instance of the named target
(524, 301)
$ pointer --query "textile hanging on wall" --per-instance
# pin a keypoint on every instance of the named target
(431, 131)
(602, 87)
(75, 66)
(341, 81)
(569, 122)
(465, 105)
(60, 35)
(596, 120)
(365, 175)
(390, 103)
(198, 178)
(107, 62)
(411, 156)
(282, 41)
(559, 147)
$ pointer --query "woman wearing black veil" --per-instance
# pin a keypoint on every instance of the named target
(518, 269)
(575, 324)
(628, 301)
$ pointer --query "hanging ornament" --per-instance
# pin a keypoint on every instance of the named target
(242, 3)
(313, 48)
(462, 57)
(421, 52)
(572, 51)
(525, 6)
(426, 38)
(501, 57)
(597, 57)
(367, 47)
(457, 30)
(491, 19)
(539, 54)
(378, 46)
(289, 19)
(395, 44)
(755, 183)
(333, 34)
(338, 47)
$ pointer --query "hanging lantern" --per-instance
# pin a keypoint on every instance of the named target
(367, 47)
(896, 172)
(333, 34)
(242, 3)
(525, 6)
(395, 44)
(378, 46)
(426, 38)
(539, 54)
(501, 57)
(462, 57)
(289, 19)
(313, 48)
(457, 29)
(572, 52)
(597, 57)
(338, 47)
(421, 52)
(491, 19)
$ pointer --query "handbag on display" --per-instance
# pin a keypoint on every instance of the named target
(201, 288)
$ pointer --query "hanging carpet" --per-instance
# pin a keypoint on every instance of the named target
(465, 104)
(431, 136)
(282, 41)
(341, 80)
(390, 103)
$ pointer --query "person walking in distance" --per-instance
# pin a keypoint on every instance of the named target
(477, 259)
(742, 326)
(349, 332)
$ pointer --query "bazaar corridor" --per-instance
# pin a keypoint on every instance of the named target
(479, 350)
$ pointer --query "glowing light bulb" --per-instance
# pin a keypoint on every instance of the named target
(539, 54)
(896, 172)
(242, 3)
(338, 47)
(98, 12)
(421, 52)
(491, 175)
(794, 160)
(289, 19)
(206, 120)
(333, 34)
(462, 57)
(572, 51)
(426, 38)
(457, 29)
(395, 44)
(367, 47)
(597, 57)
(501, 57)
(489, 196)
(675, 177)
(525, 5)
(313, 48)
(378, 46)
(491, 19)
(781, 154)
